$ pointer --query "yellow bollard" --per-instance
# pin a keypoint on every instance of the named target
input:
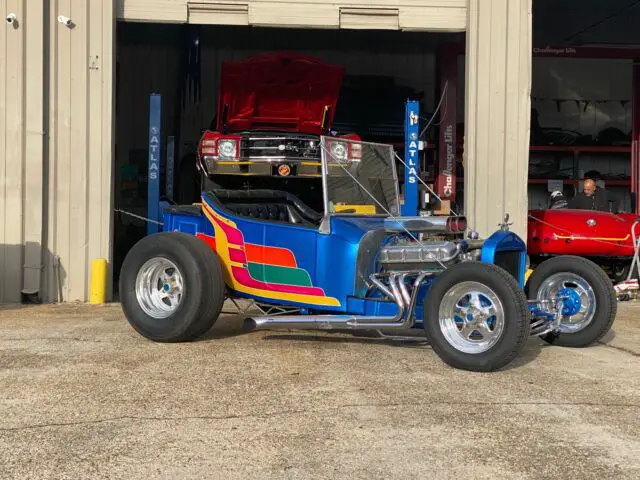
(98, 292)
(527, 275)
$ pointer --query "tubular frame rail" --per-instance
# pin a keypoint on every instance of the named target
(635, 263)
(545, 315)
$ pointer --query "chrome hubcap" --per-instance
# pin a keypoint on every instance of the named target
(471, 317)
(159, 287)
(557, 284)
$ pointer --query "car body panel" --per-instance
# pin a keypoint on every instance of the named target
(580, 232)
(285, 264)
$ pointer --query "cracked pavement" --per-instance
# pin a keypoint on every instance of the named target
(84, 396)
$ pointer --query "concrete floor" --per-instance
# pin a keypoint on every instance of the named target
(83, 396)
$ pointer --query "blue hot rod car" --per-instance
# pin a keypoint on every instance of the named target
(355, 263)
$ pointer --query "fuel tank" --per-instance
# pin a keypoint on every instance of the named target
(580, 232)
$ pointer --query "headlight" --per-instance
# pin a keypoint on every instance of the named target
(227, 149)
(339, 150)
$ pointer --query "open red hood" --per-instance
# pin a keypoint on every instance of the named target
(282, 91)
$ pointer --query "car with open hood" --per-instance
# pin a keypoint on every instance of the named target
(272, 110)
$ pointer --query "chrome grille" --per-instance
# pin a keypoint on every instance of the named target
(281, 148)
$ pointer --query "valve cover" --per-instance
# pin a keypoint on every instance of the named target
(415, 254)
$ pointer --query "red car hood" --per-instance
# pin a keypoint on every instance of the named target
(283, 91)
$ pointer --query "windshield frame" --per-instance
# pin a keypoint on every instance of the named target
(324, 152)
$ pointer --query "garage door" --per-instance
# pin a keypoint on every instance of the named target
(432, 15)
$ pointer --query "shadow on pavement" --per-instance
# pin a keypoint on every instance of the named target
(236, 325)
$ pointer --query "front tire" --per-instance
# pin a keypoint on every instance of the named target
(171, 287)
(591, 290)
(476, 317)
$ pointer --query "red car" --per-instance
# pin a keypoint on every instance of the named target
(606, 238)
(272, 110)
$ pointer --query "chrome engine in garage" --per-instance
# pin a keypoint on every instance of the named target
(439, 243)
(412, 255)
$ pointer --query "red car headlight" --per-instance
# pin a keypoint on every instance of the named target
(227, 149)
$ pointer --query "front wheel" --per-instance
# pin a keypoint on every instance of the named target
(476, 317)
(589, 300)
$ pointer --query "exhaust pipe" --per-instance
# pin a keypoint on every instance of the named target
(397, 291)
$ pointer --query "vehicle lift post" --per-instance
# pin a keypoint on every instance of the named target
(153, 175)
(411, 158)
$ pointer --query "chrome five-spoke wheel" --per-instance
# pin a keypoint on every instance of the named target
(471, 317)
(576, 298)
(159, 287)
(584, 294)
(476, 316)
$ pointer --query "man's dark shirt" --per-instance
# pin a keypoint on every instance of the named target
(598, 201)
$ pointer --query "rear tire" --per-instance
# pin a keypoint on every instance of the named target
(171, 287)
(580, 275)
(476, 317)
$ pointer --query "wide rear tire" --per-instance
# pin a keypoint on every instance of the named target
(476, 317)
(171, 287)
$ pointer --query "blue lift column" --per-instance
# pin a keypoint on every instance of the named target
(411, 131)
(153, 175)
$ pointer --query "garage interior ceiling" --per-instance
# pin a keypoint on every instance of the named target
(580, 22)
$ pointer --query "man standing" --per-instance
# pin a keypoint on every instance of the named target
(592, 198)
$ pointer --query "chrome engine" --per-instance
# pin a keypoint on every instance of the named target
(439, 244)
(412, 255)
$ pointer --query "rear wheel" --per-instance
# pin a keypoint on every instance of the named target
(590, 300)
(171, 287)
(476, 317)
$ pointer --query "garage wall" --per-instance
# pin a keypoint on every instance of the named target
(21, 148)
(11, 152)
(433, 15)
(79, 164)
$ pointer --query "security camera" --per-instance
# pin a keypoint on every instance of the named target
(66, 21)
(12, 19)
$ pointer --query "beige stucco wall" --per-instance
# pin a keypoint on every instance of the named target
(57, 124)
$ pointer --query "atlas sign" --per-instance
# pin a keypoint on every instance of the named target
(411, 132)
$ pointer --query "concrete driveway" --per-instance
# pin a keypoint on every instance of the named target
(83, 396)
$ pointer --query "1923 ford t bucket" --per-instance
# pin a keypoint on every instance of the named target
(358, 265)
